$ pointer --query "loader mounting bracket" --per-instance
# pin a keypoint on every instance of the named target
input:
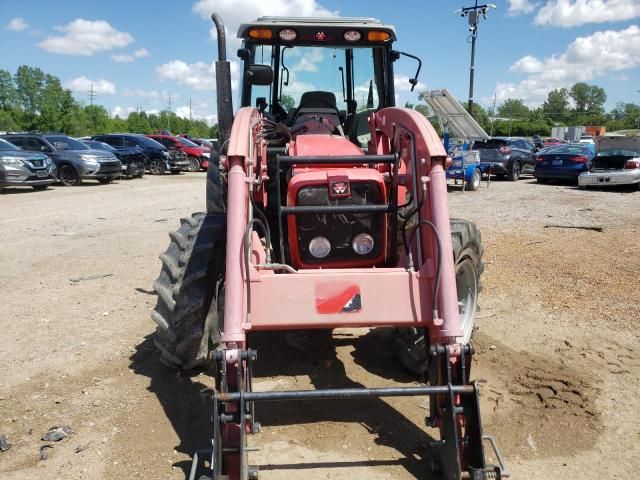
(454, 408)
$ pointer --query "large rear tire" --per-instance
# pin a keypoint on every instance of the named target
(190, 288)
(467, 255)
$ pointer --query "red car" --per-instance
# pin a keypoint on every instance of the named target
(198, 156)
(552, 142)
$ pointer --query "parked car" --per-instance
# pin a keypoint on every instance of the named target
(74, 161)
(586, 139)
(159, 158)
(24, 169)
(551, 142)
(506, 156)
(563, 162)
(617, 162)
(197, 156)
(133, 159)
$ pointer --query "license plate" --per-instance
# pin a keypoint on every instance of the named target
(556, 162)
(42, 174)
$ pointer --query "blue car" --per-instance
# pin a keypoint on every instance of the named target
(564, 162)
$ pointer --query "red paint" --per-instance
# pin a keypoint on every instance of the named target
(309, 177)
(332, 298)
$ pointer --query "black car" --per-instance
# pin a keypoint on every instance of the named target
(506, 156)
(159, 158)
(133, 159)
(74, 161)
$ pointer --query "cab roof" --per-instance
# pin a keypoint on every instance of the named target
(306, 27)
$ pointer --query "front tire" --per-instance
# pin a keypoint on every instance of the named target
(69, 176)
(467, 255)
(156, 166)
(194, 164)
(190, 288)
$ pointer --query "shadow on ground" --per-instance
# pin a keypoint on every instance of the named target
(311, 353)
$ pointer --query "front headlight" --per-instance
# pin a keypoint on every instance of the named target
(206, 154)
(89, 159)
(165, 153)
(363, 244)
(319, 247)
(10, 161)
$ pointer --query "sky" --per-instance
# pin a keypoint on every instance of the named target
(149, 54)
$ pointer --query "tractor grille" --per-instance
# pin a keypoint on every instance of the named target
(340, 229)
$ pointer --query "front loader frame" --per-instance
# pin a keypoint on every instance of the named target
(418, 291)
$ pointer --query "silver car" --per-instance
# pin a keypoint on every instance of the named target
(24, 169)
(616, 163)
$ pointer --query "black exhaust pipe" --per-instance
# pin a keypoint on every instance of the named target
(223, 85)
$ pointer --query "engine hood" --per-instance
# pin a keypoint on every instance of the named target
(322, 145)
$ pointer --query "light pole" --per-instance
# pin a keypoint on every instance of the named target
(473, 13)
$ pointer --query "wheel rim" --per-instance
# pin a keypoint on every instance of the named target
(467, 287)
(156, 167)
(68, 176)
(516, 171)
(475, 181)
(194, 164)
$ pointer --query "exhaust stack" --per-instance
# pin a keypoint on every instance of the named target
(223, 85)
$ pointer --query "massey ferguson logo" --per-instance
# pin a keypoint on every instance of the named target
(320, 37)
(340, 188)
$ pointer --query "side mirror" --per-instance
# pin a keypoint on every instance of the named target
(44, 148)
(259, 75)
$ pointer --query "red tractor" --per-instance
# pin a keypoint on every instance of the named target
(328, 209)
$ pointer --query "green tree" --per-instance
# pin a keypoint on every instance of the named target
(7, 91)
(287, 102)
(513, 108)
(55, 103)
(588, 98)
(557, 105)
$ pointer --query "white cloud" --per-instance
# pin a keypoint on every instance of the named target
(584, 59)
(127, 58)
(198, 75)
(235, 12)
(517, 7)
(86, 37)
(309, 62)
(17, 25)
(197, 113)
(401, 84)
(83, 84)
(571, 13)
(122, 112)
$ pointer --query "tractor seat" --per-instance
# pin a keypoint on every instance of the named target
(318, 99)
(316, 113)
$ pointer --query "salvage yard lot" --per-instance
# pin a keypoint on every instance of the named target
(557, 342)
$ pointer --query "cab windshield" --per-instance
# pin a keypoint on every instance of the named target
(355, 76)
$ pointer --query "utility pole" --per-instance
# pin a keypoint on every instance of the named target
(91, 94)
(473, 13)
(493, 113)
(169, 112)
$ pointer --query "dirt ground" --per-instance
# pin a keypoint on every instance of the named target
(557, 343)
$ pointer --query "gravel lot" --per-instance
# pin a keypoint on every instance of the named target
(557, 340)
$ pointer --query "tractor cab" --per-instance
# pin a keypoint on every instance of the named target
(319, 75)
